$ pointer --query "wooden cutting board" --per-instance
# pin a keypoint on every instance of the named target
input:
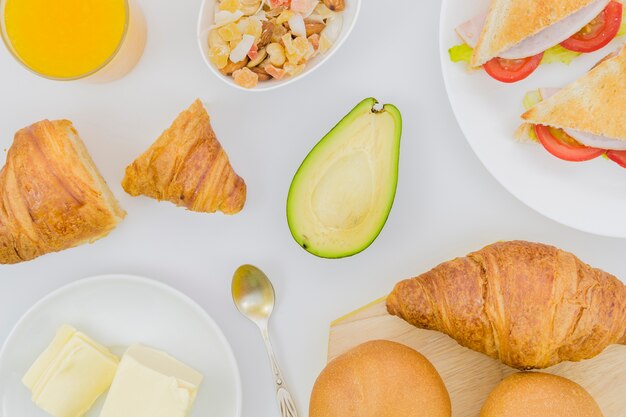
(468, 375)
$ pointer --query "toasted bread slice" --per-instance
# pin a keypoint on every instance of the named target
(188, 167)
(511, 21)
(595, 103)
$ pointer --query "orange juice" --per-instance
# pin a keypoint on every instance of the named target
(65, 38)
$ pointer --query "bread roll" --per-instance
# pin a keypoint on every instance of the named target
(534, 394)
(380, 379)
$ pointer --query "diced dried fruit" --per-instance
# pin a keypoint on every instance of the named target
(323, 11)
(293, 69)
(219, 56)
(215, 39)
(230, 32)
(253, 53)
(325, 43)
(284, 17)
(277, 73)
(246, 78)
(250, 7)
(242, 24)
(276, 53)
(301, 44)
(229, 5)
(314, 40)
(260, 57)
(278, 3)
(254, 28)
(298, 49)
(287, 42)
(300, 6)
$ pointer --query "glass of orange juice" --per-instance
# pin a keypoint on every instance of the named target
(99, 40)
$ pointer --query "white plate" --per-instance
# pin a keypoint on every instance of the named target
(117, 311)
(589, 196)
(207, 17)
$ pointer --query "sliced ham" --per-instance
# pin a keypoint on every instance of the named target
(587, 139)
(470, 31)
(597, 141)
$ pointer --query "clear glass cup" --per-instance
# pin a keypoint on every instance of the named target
(119, 63)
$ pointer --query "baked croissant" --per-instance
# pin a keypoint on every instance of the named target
(527, 304)
(188, 167)
(52, 196)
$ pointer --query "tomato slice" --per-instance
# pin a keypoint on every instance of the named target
(597, 33)
(512, 70)
(563, 146)
(619, 157)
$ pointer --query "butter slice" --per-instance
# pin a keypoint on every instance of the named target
(150, 383)
(70, 375)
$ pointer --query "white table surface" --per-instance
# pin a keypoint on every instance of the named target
(447, 204)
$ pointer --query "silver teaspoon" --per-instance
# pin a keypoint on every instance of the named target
(253, 295)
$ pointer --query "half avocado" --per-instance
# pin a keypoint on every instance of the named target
(341, 196)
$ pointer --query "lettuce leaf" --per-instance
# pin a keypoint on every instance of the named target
(463, 53)
(559, 54)
(526, 133)
(531, 98)
(460, 53)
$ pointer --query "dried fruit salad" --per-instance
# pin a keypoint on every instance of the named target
(260, 40)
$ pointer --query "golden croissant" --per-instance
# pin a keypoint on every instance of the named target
(527, 304)
(52, 196)
(188, 167)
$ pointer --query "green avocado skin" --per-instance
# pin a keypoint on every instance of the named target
(335, 138)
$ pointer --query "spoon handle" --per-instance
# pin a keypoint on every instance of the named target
(285, 403)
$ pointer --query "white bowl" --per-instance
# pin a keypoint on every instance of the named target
(206, 20)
